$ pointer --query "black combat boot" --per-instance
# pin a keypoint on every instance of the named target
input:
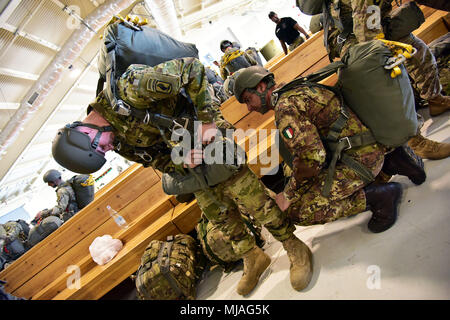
(383, 200)
(405, 162)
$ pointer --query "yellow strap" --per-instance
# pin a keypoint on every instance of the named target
(227, 58)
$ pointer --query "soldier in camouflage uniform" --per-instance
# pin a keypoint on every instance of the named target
(158, 89)
(441, 50)
(360, 21)
(304, 115)
(13, 241)
(66, 201)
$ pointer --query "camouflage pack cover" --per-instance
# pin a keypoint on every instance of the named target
(217, 247)
(170, 269)
(83, 185)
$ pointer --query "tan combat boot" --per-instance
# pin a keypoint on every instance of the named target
(255, 262)
(301, 262)
(429, 149)
(438, 105)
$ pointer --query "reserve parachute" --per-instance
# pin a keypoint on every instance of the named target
(170, 270)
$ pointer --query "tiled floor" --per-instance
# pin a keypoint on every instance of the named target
(411, 260)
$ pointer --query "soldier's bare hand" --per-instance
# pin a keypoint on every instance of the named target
(282, 202)
(208, 132)
(193, 158)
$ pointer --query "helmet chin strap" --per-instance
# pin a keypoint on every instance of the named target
(262, 96)
(96, 140)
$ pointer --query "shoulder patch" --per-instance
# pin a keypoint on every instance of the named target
(288, 132)
(159, 86)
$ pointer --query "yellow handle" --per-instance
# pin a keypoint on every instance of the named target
(395, 72)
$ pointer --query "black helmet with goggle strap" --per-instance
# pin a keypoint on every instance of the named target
(74, 150)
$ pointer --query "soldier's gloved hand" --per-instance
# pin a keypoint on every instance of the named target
(282, 202)
(207, 133)
(193, 158)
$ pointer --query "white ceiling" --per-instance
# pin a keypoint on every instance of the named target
(36, 35)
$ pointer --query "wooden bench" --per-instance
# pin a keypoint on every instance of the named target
(137, 195)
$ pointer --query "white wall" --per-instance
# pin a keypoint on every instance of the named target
(252, 28)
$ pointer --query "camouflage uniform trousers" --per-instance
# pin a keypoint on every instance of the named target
(347, 196)
(423, 69)
(444, 73)
(246, 190)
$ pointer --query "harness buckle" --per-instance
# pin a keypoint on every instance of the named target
(146, 118)
(340, 40)
(122, 109)
(143, 155)
(347, 140)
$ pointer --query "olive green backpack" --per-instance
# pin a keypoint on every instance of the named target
(217, 246)
(170, 270)
(384, 104)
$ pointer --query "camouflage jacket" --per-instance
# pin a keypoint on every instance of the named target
(360, 17)
(13, 231)
(303, 117)
(158, 89)
(66, 201)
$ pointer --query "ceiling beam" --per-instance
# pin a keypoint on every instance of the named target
(19, 74)
(9, 9)
(9, 105)
(31, 37)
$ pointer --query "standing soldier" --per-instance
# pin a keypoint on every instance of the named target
(304, 115)
(157, 92)
(288, 31)
(66, 199)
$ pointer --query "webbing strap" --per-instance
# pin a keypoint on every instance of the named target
(165, 267)
(338, 148)
(231, 56)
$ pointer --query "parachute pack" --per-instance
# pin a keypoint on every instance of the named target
(43, 229)
(170, 269)
(126, 43)
(376, 87)
(83, 185)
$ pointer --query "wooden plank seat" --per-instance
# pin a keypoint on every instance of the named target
(137, 195)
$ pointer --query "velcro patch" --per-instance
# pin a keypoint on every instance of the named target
(288, 132)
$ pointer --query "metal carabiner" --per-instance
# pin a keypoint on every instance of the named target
(143, 155)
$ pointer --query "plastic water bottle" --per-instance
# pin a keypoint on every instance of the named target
(118, 219)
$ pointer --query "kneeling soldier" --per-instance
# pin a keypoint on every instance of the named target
(152, 93)
(304, 115)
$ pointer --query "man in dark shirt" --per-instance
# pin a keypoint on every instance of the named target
(288, 31)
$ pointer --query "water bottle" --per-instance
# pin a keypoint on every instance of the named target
(118, 219)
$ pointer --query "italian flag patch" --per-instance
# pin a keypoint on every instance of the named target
(288, 132)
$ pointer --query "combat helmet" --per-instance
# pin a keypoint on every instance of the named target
(225, 44)
(74, 150)
(249, 78)
(51, 176)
